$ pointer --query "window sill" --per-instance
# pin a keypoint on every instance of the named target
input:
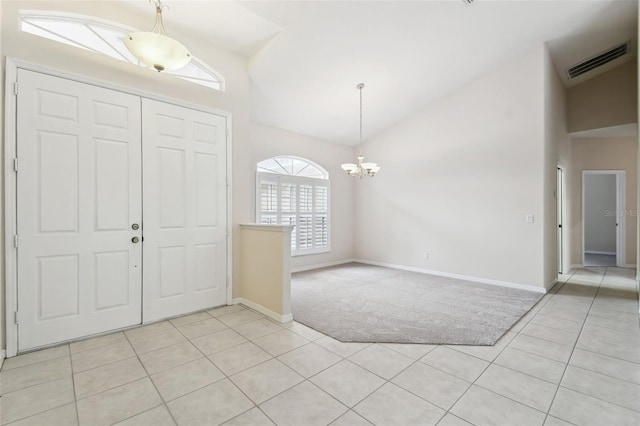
(310, 252)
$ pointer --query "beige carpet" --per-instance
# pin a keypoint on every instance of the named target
(364, 303)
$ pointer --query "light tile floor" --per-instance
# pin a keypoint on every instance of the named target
(573, 359)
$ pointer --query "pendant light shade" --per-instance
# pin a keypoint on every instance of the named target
(155, 49)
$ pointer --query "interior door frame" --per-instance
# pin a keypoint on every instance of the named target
(10, 180)
(561, 212)
(620, 213)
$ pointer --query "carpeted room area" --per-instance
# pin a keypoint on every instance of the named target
(355, 302)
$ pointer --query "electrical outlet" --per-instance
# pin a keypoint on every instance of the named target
(529, 218)
(425, 255)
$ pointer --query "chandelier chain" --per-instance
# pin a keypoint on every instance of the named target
(360, 87)
(360, 169)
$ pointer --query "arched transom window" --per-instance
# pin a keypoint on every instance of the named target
(295, 191)
(101, 36)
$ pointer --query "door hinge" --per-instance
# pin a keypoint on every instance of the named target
(16, 317)
(15, 240)
(15, 87)
(15, 164)
(227, 281)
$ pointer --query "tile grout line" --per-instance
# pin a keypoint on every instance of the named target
(608, 356)
(496, 357)
(555, 395)
(212, 363)
(490, 363)
(164, 403)
(305, 379)
(600, 399)
(73, 383)
(225, 376)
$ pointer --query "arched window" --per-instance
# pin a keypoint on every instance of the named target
(101, 36)
(295, 191)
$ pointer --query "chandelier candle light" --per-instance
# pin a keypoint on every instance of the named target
(155, 49)
(361, 169)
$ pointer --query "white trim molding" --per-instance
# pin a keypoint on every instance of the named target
(2, 357)
(621, 243)
(321, 265)
(457, 276)
(263, 310)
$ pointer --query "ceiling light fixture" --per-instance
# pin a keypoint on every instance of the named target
(361, 169)
(155, 49)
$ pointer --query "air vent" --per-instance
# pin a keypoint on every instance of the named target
(597, 61)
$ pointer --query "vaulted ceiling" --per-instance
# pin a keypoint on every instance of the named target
(305, 58)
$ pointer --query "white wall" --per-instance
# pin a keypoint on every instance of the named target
(266, 142)
(235, 99)
(2, 281)
(604, 101)
(459, 177)
(557, 153)
(603, 154)
(599, 213)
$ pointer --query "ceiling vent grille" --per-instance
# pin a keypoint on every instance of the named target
(598, 60)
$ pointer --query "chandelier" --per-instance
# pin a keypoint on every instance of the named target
(361, 169)
(155, 49)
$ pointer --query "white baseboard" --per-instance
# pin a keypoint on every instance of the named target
(321, 265)
(263, 310)
(2, 357)
(551, 284)
(581, 266)
(609, 253)
(456, 276)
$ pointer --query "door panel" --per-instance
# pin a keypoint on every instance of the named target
(79, 191)
(184, 154)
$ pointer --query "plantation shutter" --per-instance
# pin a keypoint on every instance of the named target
(305, 227)
(321, 216)
(288, 208)
(292, 192)
(268, 212)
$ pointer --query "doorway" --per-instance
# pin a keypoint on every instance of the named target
(603, 234)
(560, 211)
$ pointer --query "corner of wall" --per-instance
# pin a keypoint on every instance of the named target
(556, 148)
(638, 202)
(3, 344)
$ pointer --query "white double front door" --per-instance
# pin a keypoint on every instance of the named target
(121, 210)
